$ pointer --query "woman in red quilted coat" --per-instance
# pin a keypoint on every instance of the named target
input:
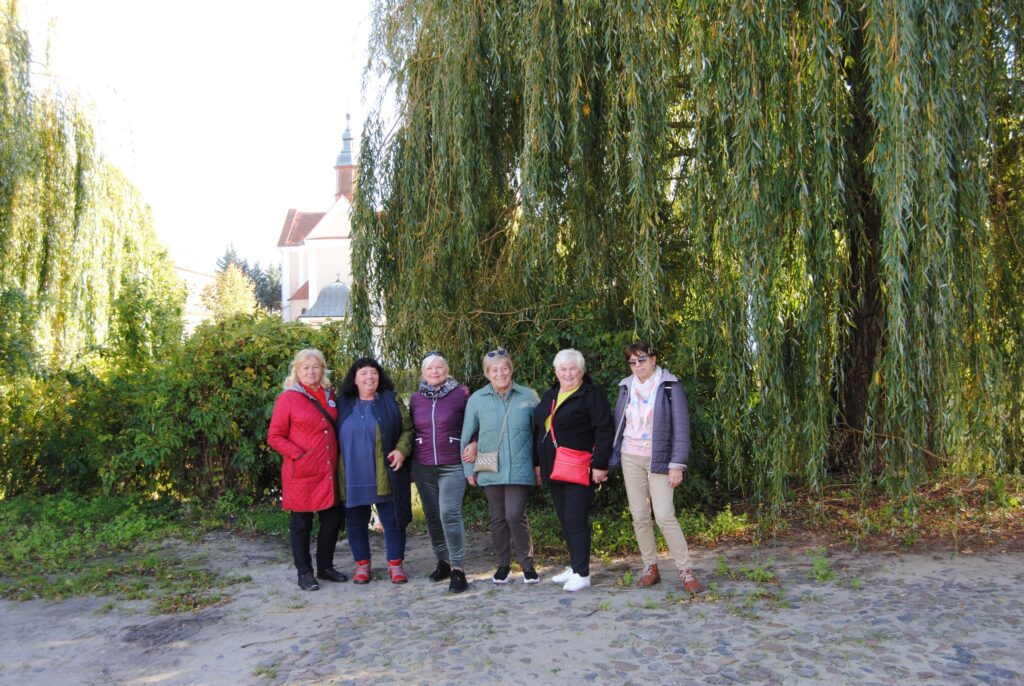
(303, 430)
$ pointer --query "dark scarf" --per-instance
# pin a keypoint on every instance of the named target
(433, 392)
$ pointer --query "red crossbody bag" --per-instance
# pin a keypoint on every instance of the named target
(571, 465)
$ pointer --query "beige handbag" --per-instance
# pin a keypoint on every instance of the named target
(488, 461)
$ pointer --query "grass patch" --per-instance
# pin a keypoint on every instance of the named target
(612, 530)
(821, 570)
(65, 546)
(953, 513)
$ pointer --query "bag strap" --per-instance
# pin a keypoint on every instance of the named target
(504, 421)
(325, 413)
(553, 424)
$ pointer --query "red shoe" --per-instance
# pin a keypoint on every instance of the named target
(397, 572)
(362, 575)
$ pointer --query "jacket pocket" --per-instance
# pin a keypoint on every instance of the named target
(311, 463)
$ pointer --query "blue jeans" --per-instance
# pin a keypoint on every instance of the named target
(359, 533)
(441, 490)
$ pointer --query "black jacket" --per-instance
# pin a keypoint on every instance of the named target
(583, 421)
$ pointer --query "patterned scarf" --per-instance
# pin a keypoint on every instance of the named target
(433, 392)
(640, 410)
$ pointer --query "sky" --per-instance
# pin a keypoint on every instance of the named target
(224, 113)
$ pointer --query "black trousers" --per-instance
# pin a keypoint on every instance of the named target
(332, 521)
(572, 505)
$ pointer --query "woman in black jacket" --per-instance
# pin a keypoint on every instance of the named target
(573, 414)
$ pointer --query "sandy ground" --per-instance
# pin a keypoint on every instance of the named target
(887, 619)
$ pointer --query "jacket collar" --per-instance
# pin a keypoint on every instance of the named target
(666, 376)
(489, 389)
(328, 392)
(585, 386)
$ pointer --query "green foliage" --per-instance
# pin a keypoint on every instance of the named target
(266, 282)
(821, 571)
(814, 208)
(200, 418)
(46, 433)
(231, 293)
(760, 572)
(511, 138)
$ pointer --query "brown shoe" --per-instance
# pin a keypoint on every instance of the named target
(650, 577)
(690, 583)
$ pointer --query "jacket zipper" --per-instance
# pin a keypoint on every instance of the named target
(622, 422)
(433, 428)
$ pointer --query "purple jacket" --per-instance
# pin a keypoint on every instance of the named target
(438, 427)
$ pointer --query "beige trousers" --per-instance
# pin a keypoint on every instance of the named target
(644, 490)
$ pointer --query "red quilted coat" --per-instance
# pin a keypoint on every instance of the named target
(309, 445)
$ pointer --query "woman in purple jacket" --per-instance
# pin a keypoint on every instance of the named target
(437, 410)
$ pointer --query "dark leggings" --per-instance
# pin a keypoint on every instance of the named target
(572, 505)
(332, 520)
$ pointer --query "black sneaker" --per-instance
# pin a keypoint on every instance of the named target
(308, 583)
(332, 574)
(443, 571)
(458, 582)
(530, 576)
(501, 575)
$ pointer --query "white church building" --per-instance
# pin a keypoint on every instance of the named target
(316, 252)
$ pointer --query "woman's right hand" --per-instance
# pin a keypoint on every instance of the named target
(471, 480)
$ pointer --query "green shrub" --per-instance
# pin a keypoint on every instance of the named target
(202, 415)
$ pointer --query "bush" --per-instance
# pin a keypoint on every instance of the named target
(52, 431)
(202, 415)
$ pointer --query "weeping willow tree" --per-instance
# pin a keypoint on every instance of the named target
(517, 200)
(837, 198)
(80, 265)
(799, 196)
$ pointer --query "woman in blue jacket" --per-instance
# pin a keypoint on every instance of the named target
(501, 415)
(374, 437)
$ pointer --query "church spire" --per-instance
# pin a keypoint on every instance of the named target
(344, 168)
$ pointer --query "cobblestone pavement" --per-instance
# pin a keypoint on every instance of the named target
(879, 618)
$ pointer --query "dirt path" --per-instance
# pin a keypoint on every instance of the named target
(886, 619)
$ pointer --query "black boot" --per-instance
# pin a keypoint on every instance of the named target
(332, 574)
(458, 583)
(443, 571)
(307, 582)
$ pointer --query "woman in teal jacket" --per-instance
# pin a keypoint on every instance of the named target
(501, 415)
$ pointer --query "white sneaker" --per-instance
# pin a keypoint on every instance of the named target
(563, 577)
(576, 583)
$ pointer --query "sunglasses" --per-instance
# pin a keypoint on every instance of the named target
(500, 352)
(638, 360)
(432, 353)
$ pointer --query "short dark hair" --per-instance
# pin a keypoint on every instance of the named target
(639, 348)
(348, 384)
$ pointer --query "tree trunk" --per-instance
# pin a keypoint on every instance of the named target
(864, 231)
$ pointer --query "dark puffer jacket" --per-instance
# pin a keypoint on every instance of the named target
(438, 426)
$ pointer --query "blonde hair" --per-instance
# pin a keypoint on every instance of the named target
(490, 360)
(291, 380)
